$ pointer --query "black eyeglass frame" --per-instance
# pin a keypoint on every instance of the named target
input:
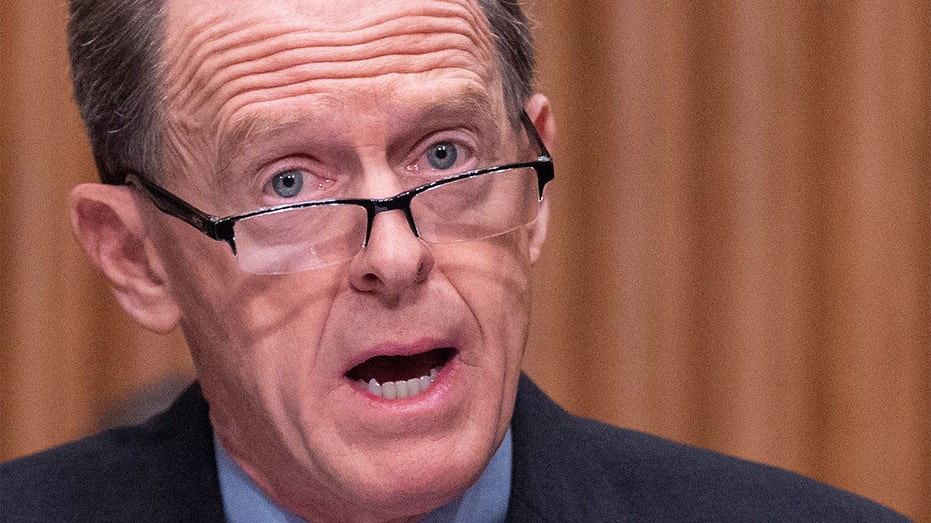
(221, 228)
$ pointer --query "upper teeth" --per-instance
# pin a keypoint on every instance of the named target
(401, 388)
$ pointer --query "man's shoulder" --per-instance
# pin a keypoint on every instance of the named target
(87, 477)
(572, 468)
(161, 468)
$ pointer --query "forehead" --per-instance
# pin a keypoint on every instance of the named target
(225, 60)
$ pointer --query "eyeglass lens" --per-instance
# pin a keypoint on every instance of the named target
(305, 238)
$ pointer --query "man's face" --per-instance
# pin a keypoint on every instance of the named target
(357, 99)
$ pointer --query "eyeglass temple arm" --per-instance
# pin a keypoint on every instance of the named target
(532, 131)
(172, 205)
(544, 163)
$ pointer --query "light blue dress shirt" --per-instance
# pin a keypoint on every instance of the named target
(485, 501)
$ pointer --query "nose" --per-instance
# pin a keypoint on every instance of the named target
(393, 261)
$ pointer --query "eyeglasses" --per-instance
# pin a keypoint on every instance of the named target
(474, 205)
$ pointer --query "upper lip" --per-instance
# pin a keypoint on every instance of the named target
(419, 346)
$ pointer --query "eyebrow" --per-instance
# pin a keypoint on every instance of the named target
(471, 102)
(247, 129)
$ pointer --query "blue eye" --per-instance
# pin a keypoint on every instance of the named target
(442, 156)
(288, 184)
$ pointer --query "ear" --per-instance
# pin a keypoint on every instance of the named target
(107, 222)
(540, 113)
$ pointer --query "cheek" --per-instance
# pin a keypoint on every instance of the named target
(493, 278)
(247, 333)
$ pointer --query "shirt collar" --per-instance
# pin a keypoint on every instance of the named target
(485, 501)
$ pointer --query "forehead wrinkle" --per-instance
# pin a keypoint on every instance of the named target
(188, 55)
(303, 79)
(216, 52)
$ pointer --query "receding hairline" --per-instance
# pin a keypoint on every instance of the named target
(117, 65)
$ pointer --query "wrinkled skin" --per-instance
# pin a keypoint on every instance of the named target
(350, 93)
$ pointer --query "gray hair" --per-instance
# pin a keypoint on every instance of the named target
(115, 47)
(115, 52)
(514, 44)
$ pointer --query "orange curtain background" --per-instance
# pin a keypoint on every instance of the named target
(739, 250)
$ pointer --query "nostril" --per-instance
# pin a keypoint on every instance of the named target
(370, 280)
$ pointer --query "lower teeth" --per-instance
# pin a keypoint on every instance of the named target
(402, 388)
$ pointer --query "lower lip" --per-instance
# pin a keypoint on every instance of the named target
(435, 397)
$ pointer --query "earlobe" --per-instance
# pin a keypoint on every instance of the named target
(538, 233)
(540, 113)
(107, 223)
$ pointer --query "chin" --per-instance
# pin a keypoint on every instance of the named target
(424, 479)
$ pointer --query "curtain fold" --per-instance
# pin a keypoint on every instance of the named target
(739, 252)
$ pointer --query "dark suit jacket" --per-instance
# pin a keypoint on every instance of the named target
(565, 469)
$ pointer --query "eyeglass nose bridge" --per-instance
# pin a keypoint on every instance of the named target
(400, 202)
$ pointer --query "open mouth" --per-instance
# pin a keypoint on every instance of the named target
(398, 377)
